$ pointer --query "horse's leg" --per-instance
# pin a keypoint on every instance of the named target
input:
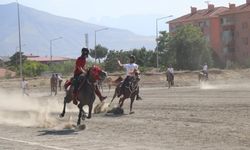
(121, 101)
(64, 107)
(90, 111)
(115, 94)
(80, 114)
(131, 104)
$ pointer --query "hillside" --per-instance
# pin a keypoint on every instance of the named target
(38, 28)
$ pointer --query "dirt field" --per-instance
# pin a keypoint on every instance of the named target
(188, 116)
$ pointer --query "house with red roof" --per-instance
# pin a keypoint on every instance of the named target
(48, 60)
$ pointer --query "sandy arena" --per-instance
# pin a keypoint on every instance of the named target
(188, 116)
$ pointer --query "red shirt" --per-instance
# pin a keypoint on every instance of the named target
(80, 62)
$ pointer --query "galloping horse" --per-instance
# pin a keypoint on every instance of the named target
(86, 91)
(53, 84)
(202, 76)
(170, 79)
(130, 90)
(111, 82)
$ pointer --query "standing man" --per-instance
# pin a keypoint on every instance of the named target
(24, 86)
(59, 80)
(170, 70)
(130, 70)
(79, 69)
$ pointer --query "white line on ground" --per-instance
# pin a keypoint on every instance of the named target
(33, 143)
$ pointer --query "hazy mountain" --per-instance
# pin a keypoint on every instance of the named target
(38, 28)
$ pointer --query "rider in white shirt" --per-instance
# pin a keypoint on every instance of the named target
(205, 69)
(130, 70)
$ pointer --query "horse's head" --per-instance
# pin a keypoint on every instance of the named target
(137, 74)
(97, 73)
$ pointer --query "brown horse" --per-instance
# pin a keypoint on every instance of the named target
(86, 91)
(203, 77)
(110, 82)
(170, 79)
(129, 90)
(53, 84)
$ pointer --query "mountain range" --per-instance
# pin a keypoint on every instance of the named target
(38, 28)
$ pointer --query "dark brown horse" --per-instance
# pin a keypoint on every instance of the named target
(129, 90)
(170, 79)
(53, 84)
(203, 77)
(86, 92)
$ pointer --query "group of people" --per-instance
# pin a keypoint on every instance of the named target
(204, 70)
(80, 68)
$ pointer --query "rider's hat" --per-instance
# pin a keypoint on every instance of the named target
(85, 51)
(132, 57)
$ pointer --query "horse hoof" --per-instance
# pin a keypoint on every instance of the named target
(61, 115)
(88, 117)
(131, 112)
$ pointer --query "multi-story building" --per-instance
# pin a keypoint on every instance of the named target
(227, 30)
(209, 22)
(235, 33)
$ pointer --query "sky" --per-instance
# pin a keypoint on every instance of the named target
(138, 16)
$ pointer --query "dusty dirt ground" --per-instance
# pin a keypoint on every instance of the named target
(189, 116)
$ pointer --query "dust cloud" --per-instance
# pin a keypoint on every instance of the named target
(20, 110)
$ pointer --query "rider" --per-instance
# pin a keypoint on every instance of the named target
(205, 69)
(170, 69)
(130, 68)
(79, 69)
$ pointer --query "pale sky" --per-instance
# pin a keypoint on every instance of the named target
(116, 13)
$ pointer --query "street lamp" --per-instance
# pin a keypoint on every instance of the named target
(50, 43)
(95, 38)
(20, 41)
(18, 49)
(157, 53)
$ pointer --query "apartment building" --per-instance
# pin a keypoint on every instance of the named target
(227, 30)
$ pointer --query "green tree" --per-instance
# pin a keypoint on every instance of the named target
(101, 52)
(189, 48)
(14, 63)
(165, 55)
(32, 68)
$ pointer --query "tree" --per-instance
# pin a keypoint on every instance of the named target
(32, 68)
(165, 56)
(189, 48)
(14, 62)
(101, 52)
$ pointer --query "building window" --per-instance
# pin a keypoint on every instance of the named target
(245, 40)
(244, 25)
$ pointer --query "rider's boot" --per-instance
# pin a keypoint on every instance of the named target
(98, 93)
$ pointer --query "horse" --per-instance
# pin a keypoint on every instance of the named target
(170, 79)
(129, 90)
(86, 91)
(53, 84)
(111, 82)
(202, 76)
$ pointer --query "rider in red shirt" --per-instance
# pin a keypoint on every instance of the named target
(79, 69)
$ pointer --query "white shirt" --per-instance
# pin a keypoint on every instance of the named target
(130, 68)
(205, 67)
(24, 84)
(171, 70)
